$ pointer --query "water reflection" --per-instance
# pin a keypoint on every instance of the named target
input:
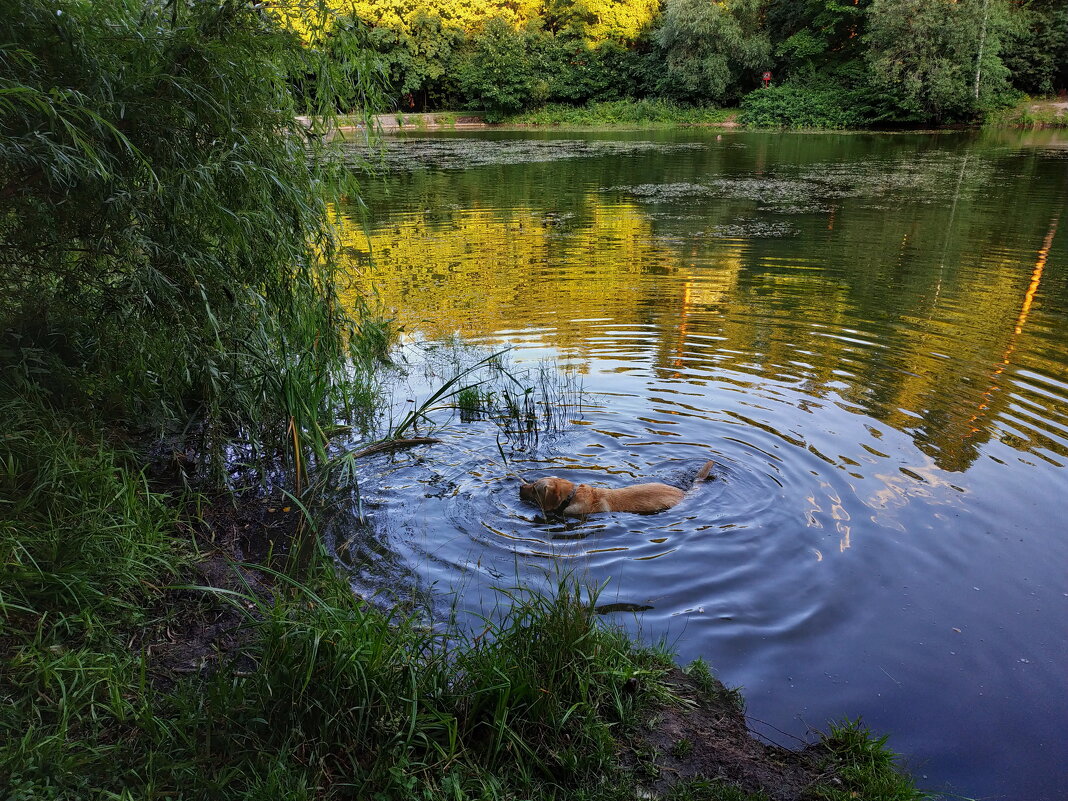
(912, 317)
(865, 333)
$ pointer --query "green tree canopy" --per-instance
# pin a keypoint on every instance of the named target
(708, 46)
(812, 36)
(1037, 52)
(940, 59)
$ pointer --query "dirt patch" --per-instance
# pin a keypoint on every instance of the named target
(1059, 107)
(706, 737)
(193, 629)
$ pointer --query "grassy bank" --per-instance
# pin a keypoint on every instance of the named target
(1031, 113)
(632, 113)
(143, 661)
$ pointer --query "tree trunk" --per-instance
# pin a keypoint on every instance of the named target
(982, 46)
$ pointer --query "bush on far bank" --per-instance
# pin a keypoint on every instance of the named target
(805, 107)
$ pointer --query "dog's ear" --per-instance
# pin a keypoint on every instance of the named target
(551, 492)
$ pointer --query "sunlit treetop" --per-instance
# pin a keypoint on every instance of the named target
(598, 20)
(595, 20)
(308, 16)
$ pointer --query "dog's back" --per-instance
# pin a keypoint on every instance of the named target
(654, 497)
(560, 496)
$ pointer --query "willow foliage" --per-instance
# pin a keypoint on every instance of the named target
(166, 254)
(708, 47)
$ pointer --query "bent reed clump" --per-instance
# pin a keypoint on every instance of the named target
(171, 287)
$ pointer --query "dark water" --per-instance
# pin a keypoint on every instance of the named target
(867, 333)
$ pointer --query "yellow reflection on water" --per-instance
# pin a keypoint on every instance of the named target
(605, 280)
(478, 272)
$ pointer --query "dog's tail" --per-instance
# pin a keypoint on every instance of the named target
(704, 472)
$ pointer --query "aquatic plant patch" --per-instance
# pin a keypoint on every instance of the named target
(410, 153)
(784, 195)
(928, 178)
(753, 228)
(659, 193)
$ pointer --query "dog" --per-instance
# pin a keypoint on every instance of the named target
(562, 497)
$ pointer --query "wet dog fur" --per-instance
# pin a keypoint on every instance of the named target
(559, 496)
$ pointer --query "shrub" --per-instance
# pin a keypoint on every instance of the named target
(800, 107)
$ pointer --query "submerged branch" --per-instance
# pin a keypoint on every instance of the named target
(394, 444)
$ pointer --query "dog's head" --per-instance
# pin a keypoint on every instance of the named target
(547, 493)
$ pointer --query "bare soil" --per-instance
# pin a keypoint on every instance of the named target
(194, 629)
(707, 738)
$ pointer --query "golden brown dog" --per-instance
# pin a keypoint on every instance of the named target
(559, 496)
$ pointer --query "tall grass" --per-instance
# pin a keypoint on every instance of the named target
(80, 532)
(867, 767)
(334, 700)
(165, 244)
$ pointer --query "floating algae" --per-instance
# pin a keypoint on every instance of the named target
(753, 228)
(659, 193)
(409, 153)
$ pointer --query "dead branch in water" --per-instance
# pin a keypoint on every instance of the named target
(394, 444)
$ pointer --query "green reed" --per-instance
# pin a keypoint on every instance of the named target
(526, 403)
(165, 240)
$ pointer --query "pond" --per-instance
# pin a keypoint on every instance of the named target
(865, 332)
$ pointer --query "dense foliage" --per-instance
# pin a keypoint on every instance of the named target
(887, 61)
(166, 252)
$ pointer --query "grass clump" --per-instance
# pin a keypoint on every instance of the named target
(79, 528)
(550, 685)
(473, 402)
(713, 690)
(866, 767)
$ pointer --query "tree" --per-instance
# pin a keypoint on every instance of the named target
(415, 59)
(496, 72)
(1037, 52)
(816, 36)
(597, 21)
(708, 46)
(939, 59)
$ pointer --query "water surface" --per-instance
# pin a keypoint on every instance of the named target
(865, 332)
